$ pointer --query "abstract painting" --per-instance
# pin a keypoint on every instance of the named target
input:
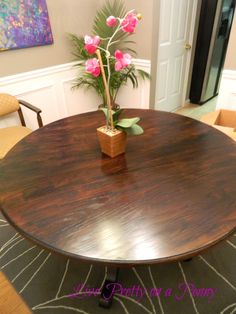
(24, 23)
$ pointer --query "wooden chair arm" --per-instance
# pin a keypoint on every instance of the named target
(33, 108)
(28, 105)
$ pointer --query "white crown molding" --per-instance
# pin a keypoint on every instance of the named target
(142, 62)
(36, 73)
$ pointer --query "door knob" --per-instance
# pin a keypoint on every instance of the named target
(187, 46)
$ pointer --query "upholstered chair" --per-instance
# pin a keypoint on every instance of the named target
(9, 136)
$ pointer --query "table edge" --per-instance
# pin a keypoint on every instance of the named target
(119, 263)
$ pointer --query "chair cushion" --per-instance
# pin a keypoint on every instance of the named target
(10, 136)
(8, 104)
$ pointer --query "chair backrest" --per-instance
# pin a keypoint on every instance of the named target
(8, 104)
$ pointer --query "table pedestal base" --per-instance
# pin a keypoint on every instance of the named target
(188, 259)
(106, 297)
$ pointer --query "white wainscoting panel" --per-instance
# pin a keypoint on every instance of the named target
(50, 89)
(227, 93)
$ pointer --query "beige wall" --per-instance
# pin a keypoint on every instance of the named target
(230, 61)
(73, 16)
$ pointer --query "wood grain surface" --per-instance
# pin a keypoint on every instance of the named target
(169, 197)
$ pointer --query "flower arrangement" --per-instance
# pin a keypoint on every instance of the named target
(108, 66)
(111, 28)
(95, 67)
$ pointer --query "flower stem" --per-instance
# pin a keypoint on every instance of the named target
(107, 49)
(108, 56)
(106, 89)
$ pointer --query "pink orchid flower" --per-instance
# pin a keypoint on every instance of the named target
(91, 43)
(92, 66)
(129, 23)
(122, 60)
(111, 21)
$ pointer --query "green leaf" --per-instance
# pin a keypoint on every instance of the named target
(106, 112)
(127, 123)
(133, 79)
(134, 130)
(78, 47)
(143, 74)
(116, 115)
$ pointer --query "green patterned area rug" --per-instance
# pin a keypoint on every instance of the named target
(53, 284)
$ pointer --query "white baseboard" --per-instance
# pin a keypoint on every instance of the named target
(227, 93)
(50, 90)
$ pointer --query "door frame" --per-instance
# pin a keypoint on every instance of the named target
(155, 46)
(190, 56)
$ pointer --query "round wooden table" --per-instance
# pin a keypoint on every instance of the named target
(170, 196)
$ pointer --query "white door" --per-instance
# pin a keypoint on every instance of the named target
(177, 20)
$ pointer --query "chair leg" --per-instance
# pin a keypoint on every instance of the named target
(22, 120)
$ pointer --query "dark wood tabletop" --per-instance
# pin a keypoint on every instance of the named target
(169, 197)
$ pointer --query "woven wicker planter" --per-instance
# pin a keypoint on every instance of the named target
(112, 143)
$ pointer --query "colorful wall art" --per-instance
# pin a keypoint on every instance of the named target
(24, 23)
